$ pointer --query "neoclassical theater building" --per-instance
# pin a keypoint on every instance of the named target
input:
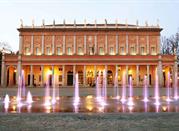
(62, 50)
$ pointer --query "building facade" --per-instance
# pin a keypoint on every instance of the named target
(60, 51)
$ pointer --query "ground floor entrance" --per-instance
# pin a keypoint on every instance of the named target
(64, 75)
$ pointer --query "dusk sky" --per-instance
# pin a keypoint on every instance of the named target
(11, 11)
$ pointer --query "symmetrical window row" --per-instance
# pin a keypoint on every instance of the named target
(91, 51)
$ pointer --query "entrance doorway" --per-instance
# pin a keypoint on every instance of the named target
(69, 78)
(109, 77)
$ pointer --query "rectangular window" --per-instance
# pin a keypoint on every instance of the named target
(60, 78)
(101, 51)
(132, 51)
(27, 51)
(111, 52)
(153, 52)
(58, 51)
(69, 51)
(91, 50)
(48, 51)
(37, 51)
(80, 51)
(142, 51)
(122, 50)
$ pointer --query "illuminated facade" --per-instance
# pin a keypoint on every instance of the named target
(61, 50)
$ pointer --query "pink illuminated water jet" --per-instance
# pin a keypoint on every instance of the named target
(47, 93)
(145, 90)
(76, 92)
(176, 87)
(130, 99)
(6, 102)
(123, 99)
(168, 89)
(156, 97)
(29, 98)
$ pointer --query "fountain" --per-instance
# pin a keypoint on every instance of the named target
(29, 98)
(101, 92)
(76, 92)
(116, 89)
(123, 99)
(130, 99)
(23, 84)
(53, 90)
(99, 104)
(6, 102)
(168, 89)
(98, 89)
(47, 93)
(156, 93)
(19, 93)
(145, 90)
(104, 89)
(176, 87)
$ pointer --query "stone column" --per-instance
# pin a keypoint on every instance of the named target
(42, 75)
(95, 78)
(74, 74)
(106, 44)
(64, 45)
(53, 45)
(31, 76)
(147, 45)
(137, 47)
(20, 44)
(127, 44)
(148, 73)
(42, 44)
(84, 76)
(63, 75)
(53, 75)
(32, 44)
(74, 44)
(175, 73)
(116, 74)
(137, 75)
(106, 73)
(3, 71)
(126, 74)
(18, 68)
(117, 44)
(160, 72)
(95, 44)
(84, 44)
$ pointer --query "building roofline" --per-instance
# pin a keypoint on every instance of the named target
(89, 27)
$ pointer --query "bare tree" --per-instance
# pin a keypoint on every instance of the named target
(5, 47)
(170, 45)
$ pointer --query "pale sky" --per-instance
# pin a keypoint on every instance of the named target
(11, 11)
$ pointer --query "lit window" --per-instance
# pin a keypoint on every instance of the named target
(80, 51)
(111, 52)
(48, 51)
(122, 50)
(91, 50)
(153, 52)
(142, 51)
(101, 51)
(37, 51)
(69, 51)
(58, 51)
(27, 51)
(60, 78)
(132, 51)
